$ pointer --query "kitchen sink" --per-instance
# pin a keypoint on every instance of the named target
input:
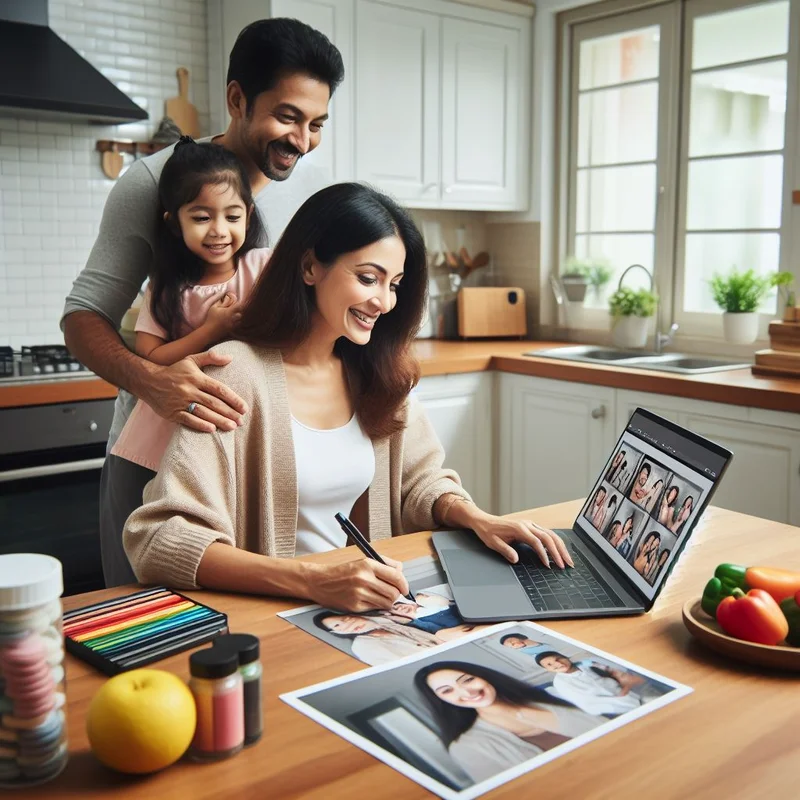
(680, 363)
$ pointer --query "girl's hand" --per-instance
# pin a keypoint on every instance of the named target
(498, 534)
(225, 314)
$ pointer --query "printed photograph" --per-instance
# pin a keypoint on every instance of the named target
(487, 708)
(678, 502)
(648, 484)
(602, 506)
(622, 468)
(625, 527)
(379, 637)
(651, 552)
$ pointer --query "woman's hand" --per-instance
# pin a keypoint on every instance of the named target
(498, 534)
(361, 585)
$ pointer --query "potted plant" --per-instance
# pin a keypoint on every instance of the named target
(631, 310)
(784, 281)
(574, 278)
(598, 275)
(739, 294)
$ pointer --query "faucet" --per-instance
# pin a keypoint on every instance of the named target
(661, 339)
(664, 339)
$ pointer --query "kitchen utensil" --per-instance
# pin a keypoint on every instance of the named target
(480, 260)
(111, 163)
(491, 311)
(451, 260)
(180, 110)
(466, 260)
(709, 632)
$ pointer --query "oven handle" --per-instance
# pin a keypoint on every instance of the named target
(51, 469)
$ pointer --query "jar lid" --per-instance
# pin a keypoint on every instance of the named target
(213, 663)
(245, 645)
(28, 580)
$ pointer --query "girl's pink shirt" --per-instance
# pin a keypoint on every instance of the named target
(146, 435)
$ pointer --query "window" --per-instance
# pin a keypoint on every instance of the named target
(676, 120)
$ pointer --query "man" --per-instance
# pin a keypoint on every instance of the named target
(281, 76)
(592, 687)
(522, 644)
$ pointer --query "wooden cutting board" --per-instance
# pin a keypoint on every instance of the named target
(784, 336)
(491, 311)
(180, 110)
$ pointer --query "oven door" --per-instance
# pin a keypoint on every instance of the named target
(51, 458)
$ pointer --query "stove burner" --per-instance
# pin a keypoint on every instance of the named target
(38, 361)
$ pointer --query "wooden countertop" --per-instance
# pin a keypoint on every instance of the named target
(734, 736)
(737, 387)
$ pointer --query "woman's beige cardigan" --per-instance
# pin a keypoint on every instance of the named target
(240, 487)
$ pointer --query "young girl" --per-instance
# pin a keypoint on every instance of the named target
(207, 260)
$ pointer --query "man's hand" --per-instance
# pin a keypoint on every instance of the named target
(172, 389)
(356, 586)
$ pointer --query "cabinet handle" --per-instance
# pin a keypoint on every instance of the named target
(448, 189)
(428, 186)
(599, 412)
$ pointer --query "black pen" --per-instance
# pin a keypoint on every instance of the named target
(362, 544)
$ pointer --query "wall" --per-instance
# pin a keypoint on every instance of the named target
(52, 190)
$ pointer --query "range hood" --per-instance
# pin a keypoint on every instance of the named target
(41, 76)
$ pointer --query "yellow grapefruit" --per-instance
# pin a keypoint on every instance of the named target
(141, 721)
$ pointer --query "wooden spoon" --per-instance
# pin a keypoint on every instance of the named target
(111, 162)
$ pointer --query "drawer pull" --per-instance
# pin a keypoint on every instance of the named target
(599, 412)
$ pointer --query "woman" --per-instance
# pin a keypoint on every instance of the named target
(626, 537)
(652, 495)
(639, 489)
(614, 533)
(683, 514)
(596, 510)
(644, 561)
(667, 510)
(489, 721)
(655, 573)
(325, 368)
(616, 466)
(375, 640)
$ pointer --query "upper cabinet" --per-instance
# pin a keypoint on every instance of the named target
(435, 105)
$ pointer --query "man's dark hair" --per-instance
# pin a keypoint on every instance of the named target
(270, 49)
(549, 654)
(513, 636)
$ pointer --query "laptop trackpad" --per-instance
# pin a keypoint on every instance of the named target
(466, 568)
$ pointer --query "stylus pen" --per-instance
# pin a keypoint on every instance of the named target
(362, 544)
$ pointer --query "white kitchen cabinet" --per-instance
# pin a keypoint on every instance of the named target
(484, 80)
(555, 438)
(333, 158)
(460, 410)
(397, 79)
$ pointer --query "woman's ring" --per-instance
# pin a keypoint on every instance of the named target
(191, 407)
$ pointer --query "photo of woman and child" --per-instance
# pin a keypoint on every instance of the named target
(677, 504)
(651, 554)
(602, 508)
(624, 527)
(494, 707)
(622, 466)
(648, 484)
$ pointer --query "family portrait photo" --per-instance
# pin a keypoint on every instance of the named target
(624, 527)
(623, 464)
(379, 637)
(677, 504)
(486, 708)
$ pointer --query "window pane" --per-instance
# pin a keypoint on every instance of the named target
(617, 126)
(710, 253)
(619, 251)
(739, 109)
(631, 56)
(616, 199)
(735, 193)
(757, 31)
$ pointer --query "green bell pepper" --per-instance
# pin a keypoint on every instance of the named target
(727, 577)
(791, 610)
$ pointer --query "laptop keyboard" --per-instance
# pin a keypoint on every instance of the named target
(567, 589)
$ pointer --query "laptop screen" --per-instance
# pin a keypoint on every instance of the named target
(649, 496)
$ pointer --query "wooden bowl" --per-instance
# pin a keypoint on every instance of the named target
(709, 632)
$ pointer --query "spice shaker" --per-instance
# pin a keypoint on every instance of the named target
(247, 648)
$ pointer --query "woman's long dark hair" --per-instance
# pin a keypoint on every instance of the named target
(453, 720)
(337, 220)
(191, 167)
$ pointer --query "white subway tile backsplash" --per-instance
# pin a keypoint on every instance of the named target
(52, 190)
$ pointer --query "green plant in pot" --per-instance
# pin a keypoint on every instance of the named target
(598, 275)
(631, 310)
(575, 278)
(739, 295)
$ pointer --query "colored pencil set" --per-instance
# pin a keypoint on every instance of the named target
(136, 630)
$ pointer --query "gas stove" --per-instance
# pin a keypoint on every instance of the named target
(40, 363)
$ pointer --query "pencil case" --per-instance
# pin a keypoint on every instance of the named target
(136, 630)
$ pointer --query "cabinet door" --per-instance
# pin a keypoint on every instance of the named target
(460, 410)
(334, 18)
(397, 101)
(555, 438)
(482, 98)
(762, 479)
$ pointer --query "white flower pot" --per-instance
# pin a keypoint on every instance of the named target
(740, 327)
(630, 331)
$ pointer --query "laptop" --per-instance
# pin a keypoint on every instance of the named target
(625, 541)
